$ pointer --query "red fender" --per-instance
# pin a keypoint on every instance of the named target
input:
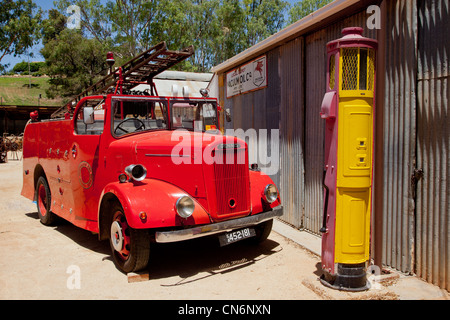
(258, 181)
(157, 199)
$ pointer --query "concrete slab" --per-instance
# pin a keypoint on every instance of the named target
(391, 286)
(307, 240)
(413, 288)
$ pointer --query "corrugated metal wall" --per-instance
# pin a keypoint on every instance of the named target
(291, 131)
(316, 57)
(433, 97)
(399, 137)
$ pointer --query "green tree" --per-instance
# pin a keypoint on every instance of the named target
(73, 63)
(262, 19)
(189, 22)
(53, 26)
(94, 21)
(231, 37)
(122, 25)
(218, 29)
(303, 8)
(130, 24)
(19, 27)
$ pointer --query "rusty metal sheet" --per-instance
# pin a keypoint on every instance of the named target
(399, 135)
(292, 131)
(433, 176)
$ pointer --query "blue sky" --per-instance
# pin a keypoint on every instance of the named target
(45, 5)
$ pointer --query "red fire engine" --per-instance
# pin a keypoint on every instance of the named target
(136, 168)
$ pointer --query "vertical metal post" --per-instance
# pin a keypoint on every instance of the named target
(29, 72)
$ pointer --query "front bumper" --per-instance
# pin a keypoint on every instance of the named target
(219, 227)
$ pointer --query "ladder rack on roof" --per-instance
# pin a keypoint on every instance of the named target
(139, 70)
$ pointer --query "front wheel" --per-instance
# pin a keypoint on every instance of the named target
(130, 247)
(262, 231)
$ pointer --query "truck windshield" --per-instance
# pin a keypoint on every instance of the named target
(132, 115)
(193, 115)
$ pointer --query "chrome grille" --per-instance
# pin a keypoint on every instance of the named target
(232, 182)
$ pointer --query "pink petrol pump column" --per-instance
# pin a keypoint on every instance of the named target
(348, 109)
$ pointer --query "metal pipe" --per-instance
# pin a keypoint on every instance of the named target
(325, 206)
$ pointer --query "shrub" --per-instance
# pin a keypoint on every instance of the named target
(22, 67)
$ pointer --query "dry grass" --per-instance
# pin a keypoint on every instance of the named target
(15, 90)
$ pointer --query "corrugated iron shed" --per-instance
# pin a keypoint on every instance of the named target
(411, 212)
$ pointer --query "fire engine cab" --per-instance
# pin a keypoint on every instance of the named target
(141, 168)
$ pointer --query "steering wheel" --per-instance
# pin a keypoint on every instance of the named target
(141, 127)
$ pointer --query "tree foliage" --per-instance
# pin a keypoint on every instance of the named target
(73, 63)
(53, 26)
(19, 27)
(304, 7)
(262, 19)
(218, 29)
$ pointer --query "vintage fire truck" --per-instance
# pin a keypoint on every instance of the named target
(142, 168)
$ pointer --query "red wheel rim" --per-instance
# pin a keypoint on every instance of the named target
(120, 235)
(42, 200)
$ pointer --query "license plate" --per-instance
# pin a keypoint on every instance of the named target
(236, 235)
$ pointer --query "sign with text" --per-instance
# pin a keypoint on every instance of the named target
(249, 77)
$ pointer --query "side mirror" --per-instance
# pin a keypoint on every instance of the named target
(228, 115)
(88, 115)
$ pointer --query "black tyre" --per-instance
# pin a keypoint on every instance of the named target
(44, 201)
(130, 247)
(262, 231)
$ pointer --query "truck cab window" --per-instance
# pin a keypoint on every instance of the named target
(198, 115)
(90, 119)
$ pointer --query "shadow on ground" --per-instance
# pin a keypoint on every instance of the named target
(185, 259)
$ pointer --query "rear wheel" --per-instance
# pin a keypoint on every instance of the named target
(44, 200)
(130, 247)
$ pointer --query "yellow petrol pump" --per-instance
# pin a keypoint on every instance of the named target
(348, 109)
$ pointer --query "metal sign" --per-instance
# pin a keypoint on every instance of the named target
(249, 77)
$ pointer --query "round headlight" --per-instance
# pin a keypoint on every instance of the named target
(271, 193)
(136, 171)
(185, 207)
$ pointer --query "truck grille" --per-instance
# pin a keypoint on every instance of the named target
(232, 183)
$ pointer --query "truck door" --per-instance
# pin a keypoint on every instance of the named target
(86, 165)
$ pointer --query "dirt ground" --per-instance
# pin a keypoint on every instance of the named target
(66, 262)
